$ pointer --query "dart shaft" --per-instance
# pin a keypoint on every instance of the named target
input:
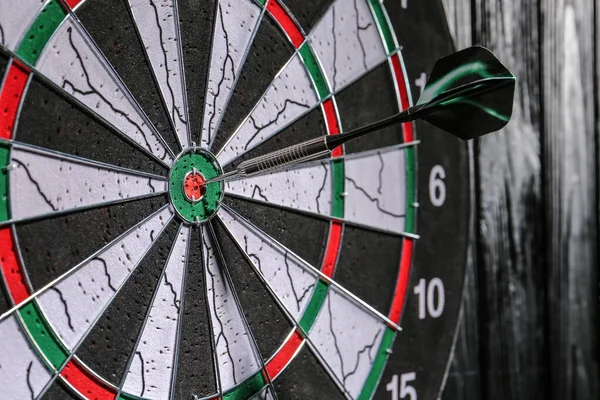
(298, 153)
(279, 159)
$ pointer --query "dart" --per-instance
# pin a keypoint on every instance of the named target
(468, 95)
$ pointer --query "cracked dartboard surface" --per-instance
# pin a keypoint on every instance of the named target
(123, 276)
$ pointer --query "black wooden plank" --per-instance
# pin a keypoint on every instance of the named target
(511, 240)
(569, 148)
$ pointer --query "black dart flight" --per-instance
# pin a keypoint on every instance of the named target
(469, 94)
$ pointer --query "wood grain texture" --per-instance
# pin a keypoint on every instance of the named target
(531, 308)
(513, 351)
(570, 182)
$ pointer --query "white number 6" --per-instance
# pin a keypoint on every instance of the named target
(437, 187)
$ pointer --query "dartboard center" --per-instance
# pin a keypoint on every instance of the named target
(193, 186)
(195, 201)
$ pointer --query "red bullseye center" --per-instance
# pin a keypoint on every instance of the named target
(193, 186)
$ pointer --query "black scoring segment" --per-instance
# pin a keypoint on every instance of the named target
(197, 20)
(195, 374)
(111, 342)
(3, 64)
(51, 247)
(370, 99)
(368, 265)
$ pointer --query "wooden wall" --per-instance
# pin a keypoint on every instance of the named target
(530, 324)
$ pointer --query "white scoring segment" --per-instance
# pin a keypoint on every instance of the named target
(236, 352)
(307, 189)
(290, 96)
(154, 356)
(347, 337)
(347, 42)
(22, 374)
(75, 64)
(291, 281)
(43, 183)
(16, 17)
(375, 189)
(74, 304)
(235, 26)
(158, 25)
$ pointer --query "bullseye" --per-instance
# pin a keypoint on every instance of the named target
(195, 198)
(193, 186)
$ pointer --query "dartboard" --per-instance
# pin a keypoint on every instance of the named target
(127, 275)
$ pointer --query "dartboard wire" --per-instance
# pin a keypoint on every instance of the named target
(147, 315)
(238, 304)
(71, 353)
(180, 318)
(394, 53)
(282, 307)
(326, 217)
(207, 77)
(182, 69)
(211, 335)
(79, 104)
(212, 133)
(77, 267)
(28, 338)
(51, 153)
(162, 94)
(346, 293)
(86, 35)
(71, 158)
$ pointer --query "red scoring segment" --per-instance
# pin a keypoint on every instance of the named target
(11, 268)
(193, 186)
(85, 383)
(286, 22)
(10, 97)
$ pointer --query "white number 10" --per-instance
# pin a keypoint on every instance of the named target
(406, 391)
(427, 298)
